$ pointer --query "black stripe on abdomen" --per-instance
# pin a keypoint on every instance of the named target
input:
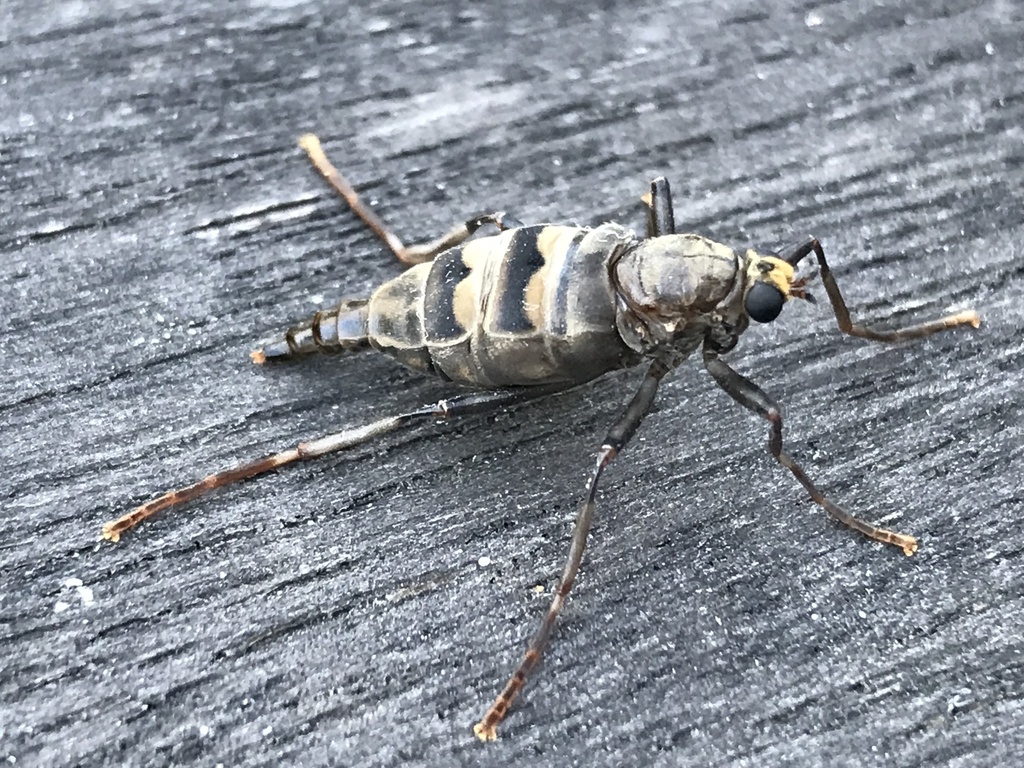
(558, 321)
(521, 261)
(446, 272)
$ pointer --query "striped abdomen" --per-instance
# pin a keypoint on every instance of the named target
(533, 305)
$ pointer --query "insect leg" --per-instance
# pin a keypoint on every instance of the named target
(749, 395)
(617, 438)
(421, 252)
(407, 254)
(842, 314)
(348, 438)
(660, 218)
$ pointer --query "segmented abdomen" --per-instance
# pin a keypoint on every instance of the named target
(533, 305)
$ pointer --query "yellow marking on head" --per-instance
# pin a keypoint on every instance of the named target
(768, 269)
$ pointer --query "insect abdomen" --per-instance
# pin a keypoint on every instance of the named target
(533, 305)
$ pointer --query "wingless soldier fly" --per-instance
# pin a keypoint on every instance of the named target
(536, 310)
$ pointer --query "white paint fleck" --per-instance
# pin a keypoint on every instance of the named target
(288, 214)
(52, 227)
(246, 226)
(814, 19)
(84, 593)
(484, 561)
(378, 25)
(958, 701)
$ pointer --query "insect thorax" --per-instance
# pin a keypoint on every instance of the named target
(675, 289)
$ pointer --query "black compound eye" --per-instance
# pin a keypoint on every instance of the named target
(764, 302)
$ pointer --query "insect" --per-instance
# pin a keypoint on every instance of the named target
(535, 310)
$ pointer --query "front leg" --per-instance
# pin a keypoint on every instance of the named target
(842, 313)
(749, 395)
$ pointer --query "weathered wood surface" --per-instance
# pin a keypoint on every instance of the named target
(156, 218)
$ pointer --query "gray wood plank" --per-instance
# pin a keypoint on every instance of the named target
(157, 219)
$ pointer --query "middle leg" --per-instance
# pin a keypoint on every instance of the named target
(617, 439)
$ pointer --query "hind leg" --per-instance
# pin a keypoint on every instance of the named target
(471, 402)
(407, 254)
(344, 328)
